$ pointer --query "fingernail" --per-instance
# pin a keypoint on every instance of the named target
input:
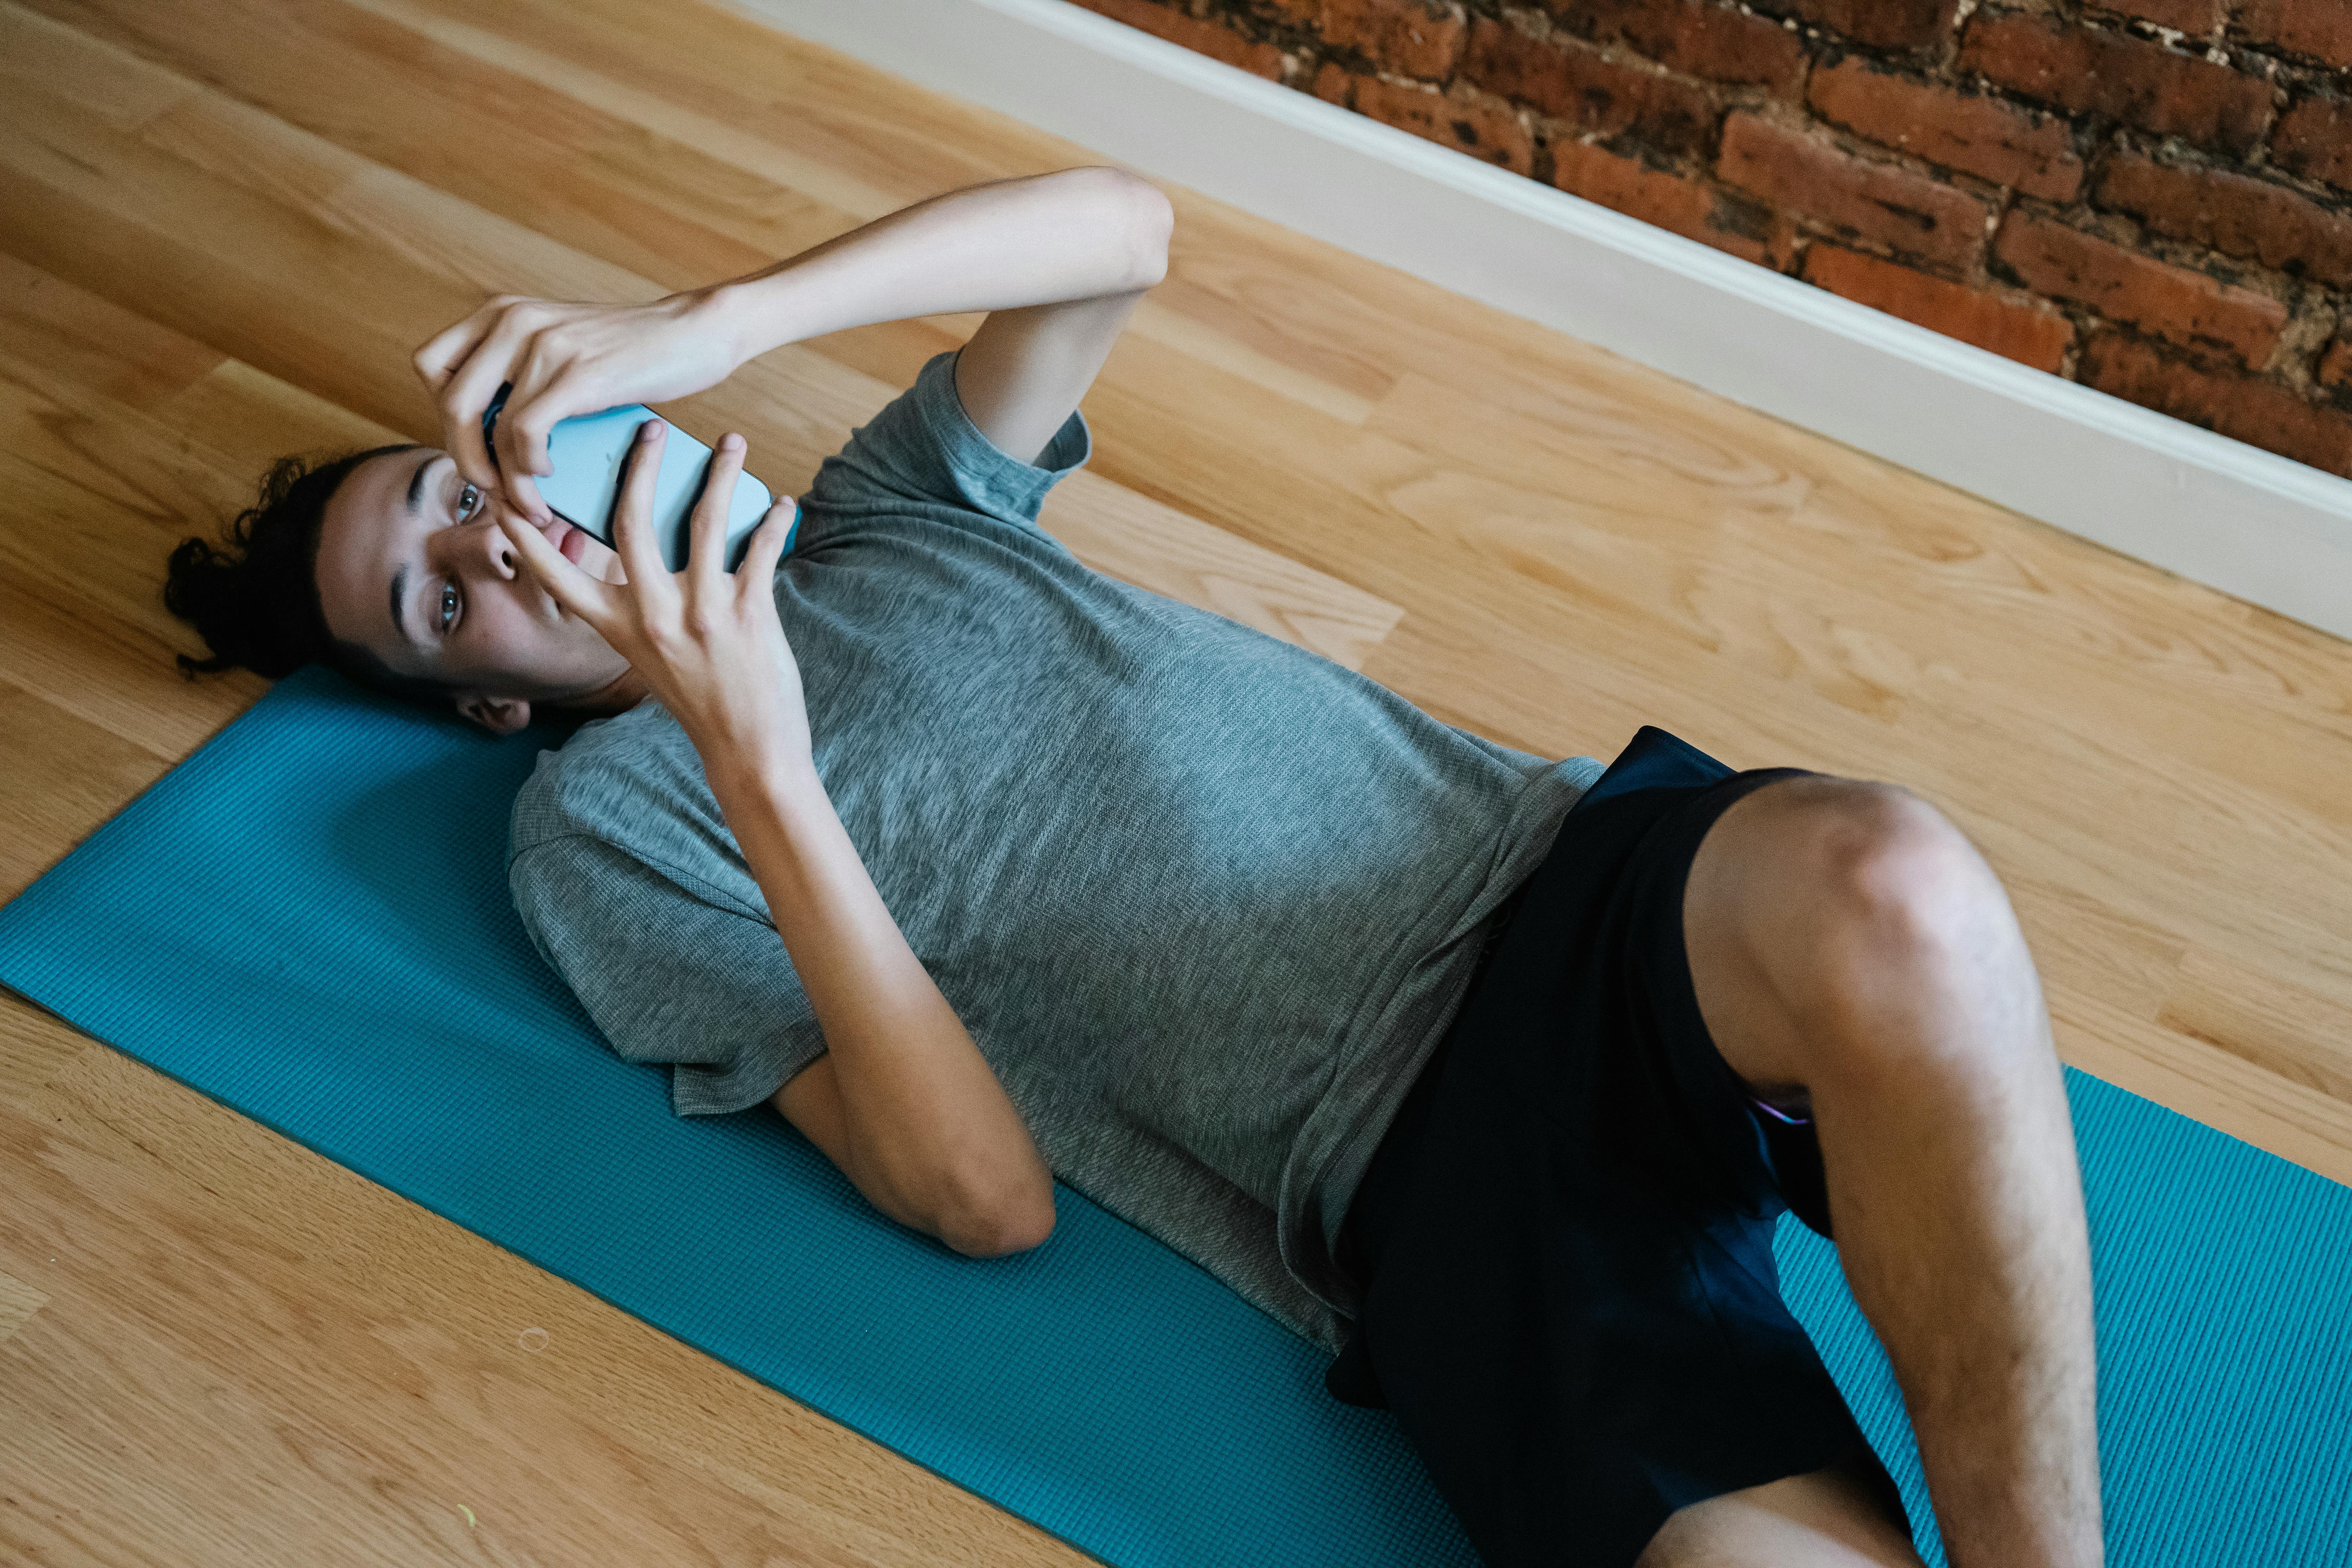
(650, 429)
(730, 442)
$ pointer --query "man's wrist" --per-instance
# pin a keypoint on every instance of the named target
(787, 780)
(748, 314)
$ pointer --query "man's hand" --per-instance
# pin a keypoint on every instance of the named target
(564, 359)
(710, 644)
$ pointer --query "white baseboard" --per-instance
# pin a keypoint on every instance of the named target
(2244, 520)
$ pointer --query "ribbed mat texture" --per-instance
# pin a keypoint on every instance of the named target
(308, 921)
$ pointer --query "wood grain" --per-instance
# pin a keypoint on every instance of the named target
(18, 1302)
(223, 228)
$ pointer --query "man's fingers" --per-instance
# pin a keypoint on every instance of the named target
(531, 411)
(707, 541)
(465, 397)
(548, 389)
(539, 402)
(632, 514)
(522, 493)
(438, 359)
(565, 583)
(758, 573)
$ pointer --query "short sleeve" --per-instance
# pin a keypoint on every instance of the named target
(923, 451)
(669, 976)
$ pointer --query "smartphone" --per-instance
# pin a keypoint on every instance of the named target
(590, 452)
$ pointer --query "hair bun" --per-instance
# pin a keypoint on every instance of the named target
(258, 608)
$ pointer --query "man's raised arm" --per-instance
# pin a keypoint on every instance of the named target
(1058, 260)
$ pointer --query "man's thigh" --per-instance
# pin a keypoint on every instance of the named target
(1846, 940)
(1826, 1519)
(1772, 872)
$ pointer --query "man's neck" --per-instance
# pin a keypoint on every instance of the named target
(618, 695)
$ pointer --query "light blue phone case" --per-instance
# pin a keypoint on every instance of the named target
(588, 452)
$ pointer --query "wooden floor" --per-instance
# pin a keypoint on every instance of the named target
(223, 228)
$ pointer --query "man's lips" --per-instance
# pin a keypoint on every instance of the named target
(575, 545)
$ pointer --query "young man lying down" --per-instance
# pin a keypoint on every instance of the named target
(985, 870)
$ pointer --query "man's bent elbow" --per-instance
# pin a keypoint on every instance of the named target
(1001, 1235)
(1154, 224)
(1136, 210)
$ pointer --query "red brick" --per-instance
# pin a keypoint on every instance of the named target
(2336, 366)
(1983, 136)
(1461, 119)
(2026, 332)
(2317, 29)
(2315, 139)
(1334, 85)
(1691, 208)
(1882, 23)
(2196, 17)
(1401, 36)
(1695, 37)
(2173, 302)
(2257, 412)
(2089, 70)
(1570, 81)
(1901, 210)
(1200, 38)
(2233, 213)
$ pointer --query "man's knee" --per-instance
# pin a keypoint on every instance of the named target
(1891, 866)
(1882, 902)
(1831, 860)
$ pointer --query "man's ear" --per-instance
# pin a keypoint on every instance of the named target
(499, 715)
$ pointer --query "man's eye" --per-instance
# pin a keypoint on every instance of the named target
(468, 498)
(448, 605)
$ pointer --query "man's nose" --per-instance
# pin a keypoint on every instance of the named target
(494, 548)
(499, 552)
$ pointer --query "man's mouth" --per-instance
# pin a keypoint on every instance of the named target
(583, 549)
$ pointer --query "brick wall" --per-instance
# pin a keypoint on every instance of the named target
(2153, 197)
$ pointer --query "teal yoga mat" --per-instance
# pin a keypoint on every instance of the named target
(309, 921)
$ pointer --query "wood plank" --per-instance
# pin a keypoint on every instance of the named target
(691, 204)
(118, 677)
(18, 1302)
(34, 1046)
(66, 776)
(2257, 1015)
(123, 438)
(117, 353)
(2233, 1095)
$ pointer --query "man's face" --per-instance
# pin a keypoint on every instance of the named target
(413, 566)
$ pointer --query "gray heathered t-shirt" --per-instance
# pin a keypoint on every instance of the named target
(1205, 902)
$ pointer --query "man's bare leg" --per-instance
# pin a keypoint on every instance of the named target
(1852, 952)
(1826, 1520)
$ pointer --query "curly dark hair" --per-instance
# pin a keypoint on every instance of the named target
(259, 608)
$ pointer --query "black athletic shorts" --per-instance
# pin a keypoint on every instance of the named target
(1565, 1237)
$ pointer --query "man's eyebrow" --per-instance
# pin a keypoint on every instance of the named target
(400, 578)
(416, 485)
(399, 593)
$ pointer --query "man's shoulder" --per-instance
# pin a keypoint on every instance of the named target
(610, 773)
(619, 823)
